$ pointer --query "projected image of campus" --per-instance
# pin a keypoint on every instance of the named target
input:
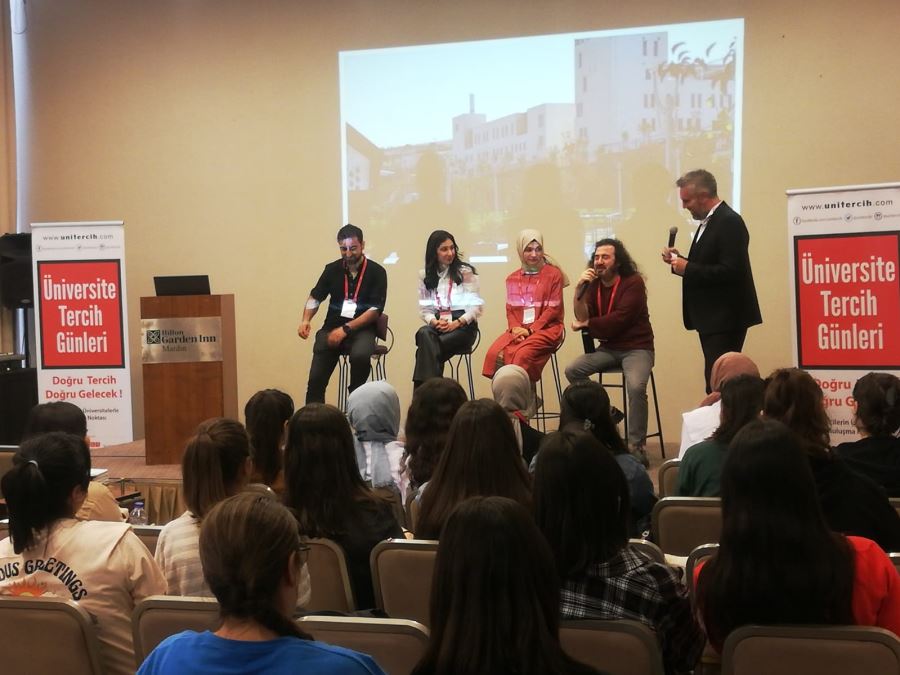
(581, 134)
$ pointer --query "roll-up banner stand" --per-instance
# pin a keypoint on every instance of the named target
(844, 252)
(82, 323)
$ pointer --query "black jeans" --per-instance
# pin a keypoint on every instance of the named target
(435, 348)
(359, 345)
(716, 344)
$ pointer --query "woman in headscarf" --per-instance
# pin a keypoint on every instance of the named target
(698, 424)
(511, 388)
(534, 311)
(374, 413)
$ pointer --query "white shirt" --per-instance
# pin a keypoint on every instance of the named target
(178, 555)
(697, 425)
(702, 228)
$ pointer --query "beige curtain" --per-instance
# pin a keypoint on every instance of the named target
(7, 155)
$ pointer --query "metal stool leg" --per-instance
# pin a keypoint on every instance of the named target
(659, 431)
(468, 358)
(343, 382)
(540, 416)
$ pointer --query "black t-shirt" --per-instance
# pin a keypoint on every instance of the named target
(372, 290)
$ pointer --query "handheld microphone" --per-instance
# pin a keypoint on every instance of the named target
(672, 232)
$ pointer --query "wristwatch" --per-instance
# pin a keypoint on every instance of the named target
(347, 330)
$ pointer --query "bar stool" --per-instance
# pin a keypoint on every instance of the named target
(542, 415)
(384, 343)
(465, 356)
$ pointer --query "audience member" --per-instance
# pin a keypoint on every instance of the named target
(511, 388)
(876, 400)
(581, 505)
(494, 596)
(585, 407)
(214, 466)
(267, 414)
(102, 566)
(374, 414)
(701, 466)
(100, 503)
(481, 459)
(778, 562)
(851, 503)
(324, 487)
(697, 425)
(257, 586)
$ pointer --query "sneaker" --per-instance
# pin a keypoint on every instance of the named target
(616, 414)
(640, 453)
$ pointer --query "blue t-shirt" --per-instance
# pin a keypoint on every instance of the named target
(191, 652)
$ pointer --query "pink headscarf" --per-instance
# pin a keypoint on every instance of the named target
(727, 366)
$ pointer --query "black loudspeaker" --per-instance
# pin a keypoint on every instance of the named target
(18, 395)
(16, 287)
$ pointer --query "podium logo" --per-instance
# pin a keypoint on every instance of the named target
(154, 337)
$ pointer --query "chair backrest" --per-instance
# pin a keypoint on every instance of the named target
(668, 478)
(381, 327)
(678, 525)
(47, 635)
(260, 488)
(7, 452)
(412, 512)
(700, 554)
(157, 617)
(895, 558)
(149, 535)
(648, 547)
(895, 502)
(401, 575)
(620, 647)
(823, 650)
(331, 589)
(395, 644)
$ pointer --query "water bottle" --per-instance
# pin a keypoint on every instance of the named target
(138, 516)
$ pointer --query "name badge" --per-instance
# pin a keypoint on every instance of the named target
(348, 310)
(528, 315)
(445, 315)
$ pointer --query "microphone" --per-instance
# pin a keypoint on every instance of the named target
(672, 232)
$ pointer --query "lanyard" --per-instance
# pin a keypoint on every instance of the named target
(359, 279)
(612, 296)
(528, 288)
(449, 293)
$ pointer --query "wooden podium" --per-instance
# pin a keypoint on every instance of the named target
(182, 386)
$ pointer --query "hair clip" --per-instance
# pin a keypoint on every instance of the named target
(34, 461)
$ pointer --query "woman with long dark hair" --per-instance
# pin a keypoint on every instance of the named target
(481, 459)
(267, 414)
(778, 562)
(700, 468)
(851, 503)
(494, 597)
(214, 466)
(254, 562)
(585, 406)
(325, 489)
(101, 565)
(581, 504)
(449, 305)
(876, 415)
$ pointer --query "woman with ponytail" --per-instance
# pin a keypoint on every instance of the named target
(876, 414)
(267, 414)
(215, 465)
(257, 586)
(101, 565)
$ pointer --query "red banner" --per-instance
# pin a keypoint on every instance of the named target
(81, 314)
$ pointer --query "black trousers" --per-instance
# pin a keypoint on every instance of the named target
(716, 344)
(359, 345)
(435, 348)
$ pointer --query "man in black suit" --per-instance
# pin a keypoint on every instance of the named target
(718, 296)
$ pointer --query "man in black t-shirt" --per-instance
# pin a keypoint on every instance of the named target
(357, 288)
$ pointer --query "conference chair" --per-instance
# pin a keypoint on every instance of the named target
(395, 644)
(619, 647)
(699, 555)
(895, 558)
(819, 650)
(457, 360)
(668, 478)
(384, 343)
(649, 548)
(149, 535)
(47, 635)
(678, 525)
(401, 576)
(157, 617)
(895, 502)
(542, 414)
(260, 488)
(329, 578)
(590, 348)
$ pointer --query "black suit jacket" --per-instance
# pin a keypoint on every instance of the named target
(718, 294)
